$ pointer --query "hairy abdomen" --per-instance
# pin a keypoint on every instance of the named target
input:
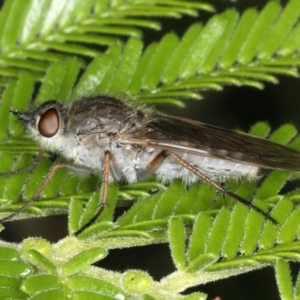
(131, 166)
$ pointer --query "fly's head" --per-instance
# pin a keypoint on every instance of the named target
(47, 124)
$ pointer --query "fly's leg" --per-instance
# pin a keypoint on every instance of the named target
(154, 165)
(107, 163)
(218, 187)
(151, 168)
(32, 165)
(36, 195)
(78, 169)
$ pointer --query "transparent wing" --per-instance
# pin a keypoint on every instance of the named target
(184, 135)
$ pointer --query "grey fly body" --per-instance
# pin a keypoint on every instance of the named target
(105, 136)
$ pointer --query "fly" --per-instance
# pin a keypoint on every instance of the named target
(105, 136)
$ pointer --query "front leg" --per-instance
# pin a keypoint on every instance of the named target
(35, 197)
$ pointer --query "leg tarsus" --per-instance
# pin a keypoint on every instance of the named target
(48, 177)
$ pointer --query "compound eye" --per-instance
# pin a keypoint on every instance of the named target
(49, 123)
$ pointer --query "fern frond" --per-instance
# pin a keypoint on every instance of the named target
(50, 31)
(212, 253)
(210, 236)
(173, 69)
(226, 50)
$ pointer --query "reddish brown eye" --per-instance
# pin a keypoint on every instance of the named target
(49, 123)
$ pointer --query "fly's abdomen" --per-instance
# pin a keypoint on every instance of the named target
(215, 169)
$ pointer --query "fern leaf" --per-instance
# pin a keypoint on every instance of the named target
(210, 236)
(59, 26)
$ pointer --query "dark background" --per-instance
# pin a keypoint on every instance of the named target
(232, 108)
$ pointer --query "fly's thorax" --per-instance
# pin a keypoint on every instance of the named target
(90, 151)
(106, 115)
(96, 115)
